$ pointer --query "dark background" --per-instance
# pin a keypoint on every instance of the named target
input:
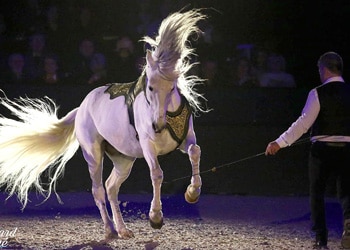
(299, 30)
(243, 120)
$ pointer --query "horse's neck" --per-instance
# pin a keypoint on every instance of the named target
(175, 101)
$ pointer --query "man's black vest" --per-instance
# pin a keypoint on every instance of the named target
(334, 116)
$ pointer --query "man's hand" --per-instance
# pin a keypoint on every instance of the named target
(272, 148)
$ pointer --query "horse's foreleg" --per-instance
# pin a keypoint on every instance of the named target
(120, 172)
(194, 189)
(155, 213)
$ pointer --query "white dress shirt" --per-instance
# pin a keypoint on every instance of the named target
(307, 118)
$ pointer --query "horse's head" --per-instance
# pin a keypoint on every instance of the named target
(169, 63)
(159, 89)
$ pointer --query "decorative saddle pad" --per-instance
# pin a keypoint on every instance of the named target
(177, 122)
(129, 90)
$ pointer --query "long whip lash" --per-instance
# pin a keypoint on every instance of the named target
(213, 169)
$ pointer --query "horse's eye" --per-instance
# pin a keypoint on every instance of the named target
(150, 88)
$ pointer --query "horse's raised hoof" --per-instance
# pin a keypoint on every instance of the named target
(192, 194)
(156, 225)
(190, 200)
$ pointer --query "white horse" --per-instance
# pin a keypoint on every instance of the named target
(150, 117)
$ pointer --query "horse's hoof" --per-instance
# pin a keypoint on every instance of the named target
(192, 194)
(190, 199)
(156, 225)
(126, 234)
(111, 236)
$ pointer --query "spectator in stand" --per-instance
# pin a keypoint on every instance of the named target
(241, 73)
(98, 69)
(122, 63)
(51, 71)
(84, 23)
(146, 18)
(259, 62)
(55, 31)
(3, 38)
(15, 73)
(209, 70)
(276, 75)
(80, 70)
(34, 58)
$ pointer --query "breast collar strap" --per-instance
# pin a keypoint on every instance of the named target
(177, 122)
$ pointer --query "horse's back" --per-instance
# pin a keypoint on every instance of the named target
(99, 106)
(103, 118)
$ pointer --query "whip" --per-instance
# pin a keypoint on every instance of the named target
(229, 164)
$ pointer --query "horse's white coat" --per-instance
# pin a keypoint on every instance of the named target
(101, 125)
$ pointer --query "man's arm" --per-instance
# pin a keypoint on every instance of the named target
(299, 127)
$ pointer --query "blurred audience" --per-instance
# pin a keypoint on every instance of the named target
(85, 25)
(51, 74)
(210, 71)
(98, 70)
(55, 30)
(15, 72)
(259, 62)
(122, 61)
(60, 27)
(147, 18)
(80, 70)
(2, 43)
(276, 75)
(240, 73)
(34, 57)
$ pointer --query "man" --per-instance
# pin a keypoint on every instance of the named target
(327, 113)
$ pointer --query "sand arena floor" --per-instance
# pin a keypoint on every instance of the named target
(215, 222)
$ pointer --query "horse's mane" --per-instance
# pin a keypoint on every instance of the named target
(171, 51)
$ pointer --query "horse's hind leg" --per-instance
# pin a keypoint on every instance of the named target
(194, 189)
(93, 155)
(122, 167)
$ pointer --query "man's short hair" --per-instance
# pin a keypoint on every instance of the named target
(332, 61)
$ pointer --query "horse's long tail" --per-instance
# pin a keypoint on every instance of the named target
(36, 140)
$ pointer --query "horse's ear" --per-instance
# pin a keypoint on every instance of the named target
(150, 60)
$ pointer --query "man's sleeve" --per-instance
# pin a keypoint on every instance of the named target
(303, 123)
